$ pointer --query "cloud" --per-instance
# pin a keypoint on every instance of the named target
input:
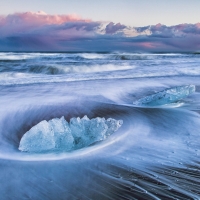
(42, 32)
(112, 28)
(29, 21)
(37, 19)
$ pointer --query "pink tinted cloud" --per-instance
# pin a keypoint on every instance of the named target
(177, 30)
(148, 45)
(38, 19)
(40, 31)
(20, 22)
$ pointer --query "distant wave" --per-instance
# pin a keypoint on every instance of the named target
(83, 56)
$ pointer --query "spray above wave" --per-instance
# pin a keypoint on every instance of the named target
(59, 135)
(168, 96)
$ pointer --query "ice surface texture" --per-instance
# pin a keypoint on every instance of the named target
(59, 135)
(167, 96)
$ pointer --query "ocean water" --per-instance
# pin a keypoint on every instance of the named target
(154, 155)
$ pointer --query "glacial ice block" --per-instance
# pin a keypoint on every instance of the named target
(62, 134)
(38, 138)
(167, 96)
(59, 135)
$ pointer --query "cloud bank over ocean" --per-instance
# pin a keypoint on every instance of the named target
(43, 32)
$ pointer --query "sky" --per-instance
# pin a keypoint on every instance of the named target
(106, 25)
(129, 12)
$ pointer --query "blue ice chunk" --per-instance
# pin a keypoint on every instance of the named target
(59, 135)
(97, 129)
(62, 134)
(80, 131)
(113, 125)
(39, 138)
(167, 96)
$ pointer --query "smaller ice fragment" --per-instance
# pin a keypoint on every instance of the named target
(79, 128)
(113, 125)
(62, 134)
(167, 96)
(39, 138)
(97, 130)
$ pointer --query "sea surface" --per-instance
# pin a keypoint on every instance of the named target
(154, 155)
